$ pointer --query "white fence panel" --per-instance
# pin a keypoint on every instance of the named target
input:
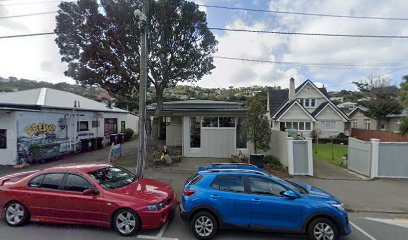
(279, 146)
(393, 160)
(359, 156)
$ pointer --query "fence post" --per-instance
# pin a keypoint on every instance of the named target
(291, 163)
(375, 154)
(310, 155)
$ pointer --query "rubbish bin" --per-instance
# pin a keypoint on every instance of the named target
(94, 144)
(121, 138)
(257, 160)
(99, 142)
(85, 145)
(114, 138)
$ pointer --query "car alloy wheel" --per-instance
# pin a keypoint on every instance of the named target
(204, 225)
(16, 214)
(126, 222)
(323, 231)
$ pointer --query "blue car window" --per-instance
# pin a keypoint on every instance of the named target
(229, 183)
(265, 186)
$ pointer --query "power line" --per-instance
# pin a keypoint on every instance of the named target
(310, 34)
(27, 35)
(306, 14)
(27, 15)
(10, 3)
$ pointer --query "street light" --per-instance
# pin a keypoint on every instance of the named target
(141, 17)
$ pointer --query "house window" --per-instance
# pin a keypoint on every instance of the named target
(3, 138)
(210, 122)
(313, 102)
(241, 136)
(195, 132)
(122, 126)
(82, 126)
(382, 126)
(307, 102)
(367, 123)
(328, 125)
(111, 126)
(301, 101)
(301, 126)
(95, 124)
(354, 123)
(227, 122)
(397, 125)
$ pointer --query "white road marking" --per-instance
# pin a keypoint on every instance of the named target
(154, 237)
(395, 222)
(362, 231)
(160, 233)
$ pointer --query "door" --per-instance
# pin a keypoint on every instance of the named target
(77, 207)
(230, 200)
(44, 196)
(269, 209)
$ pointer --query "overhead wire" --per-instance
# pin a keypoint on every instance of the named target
(305, 14)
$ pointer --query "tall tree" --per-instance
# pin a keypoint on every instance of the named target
(101, 44)
(380, 98)
(257, 127)
(404, 101)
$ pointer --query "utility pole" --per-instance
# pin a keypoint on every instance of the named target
(141, 159)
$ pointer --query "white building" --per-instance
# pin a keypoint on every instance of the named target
(304, 109)
(204, 128)
(54, 121)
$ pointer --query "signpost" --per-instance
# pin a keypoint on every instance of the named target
(115, 152)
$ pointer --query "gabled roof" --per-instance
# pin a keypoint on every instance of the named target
(278, 101)
(42, 98)
(322, 106)
(277, 98)
(288, 105)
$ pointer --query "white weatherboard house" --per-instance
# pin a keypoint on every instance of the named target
(304, 109)
(204, 128)
(55, 121)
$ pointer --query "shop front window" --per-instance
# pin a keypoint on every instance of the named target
(3, 138)
(195, 132)
(241, 136)
(82, 126)
(111, 126)
(122, 126)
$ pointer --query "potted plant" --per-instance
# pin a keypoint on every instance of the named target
(258, 131)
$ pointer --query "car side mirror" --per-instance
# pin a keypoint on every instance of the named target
(290, 194)
(89, 191)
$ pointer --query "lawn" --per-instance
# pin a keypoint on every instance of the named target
(324, 152)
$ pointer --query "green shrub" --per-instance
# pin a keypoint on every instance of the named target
(128, 134)
(341, 136)
(272, 161)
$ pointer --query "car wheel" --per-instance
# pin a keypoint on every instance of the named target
(126, 222)
(322, 229)
(16, 214)
(204, 226)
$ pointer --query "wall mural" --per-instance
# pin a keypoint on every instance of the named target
(39, 140)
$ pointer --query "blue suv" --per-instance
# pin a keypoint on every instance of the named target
(246, 197)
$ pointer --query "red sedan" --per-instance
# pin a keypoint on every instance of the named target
(93, 194)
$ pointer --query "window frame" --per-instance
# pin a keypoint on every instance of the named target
(218, 177)
(78, 175)
(122, 126)
(265, 179)
(4, 133)
(79, 126)
(45, 175)
(323, 125)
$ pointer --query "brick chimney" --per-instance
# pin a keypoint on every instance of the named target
(292, 89)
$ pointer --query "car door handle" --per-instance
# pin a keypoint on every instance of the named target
(256, 199)
(213, 196)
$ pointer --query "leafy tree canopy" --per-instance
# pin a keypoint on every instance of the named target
(101, 44)
(379, 97)
(404, 101)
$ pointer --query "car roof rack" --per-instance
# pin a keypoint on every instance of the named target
(232, 164)
(236, 170)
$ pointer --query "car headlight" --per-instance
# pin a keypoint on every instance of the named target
(156, 206)
(339, 207)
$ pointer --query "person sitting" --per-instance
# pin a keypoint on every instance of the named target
(165, 155)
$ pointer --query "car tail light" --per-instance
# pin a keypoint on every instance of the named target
(188, 192)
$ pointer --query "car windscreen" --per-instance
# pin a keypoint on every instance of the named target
(113, 177)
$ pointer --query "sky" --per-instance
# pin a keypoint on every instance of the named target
(37, 58)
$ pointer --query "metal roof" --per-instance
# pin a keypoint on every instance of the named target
(51, 98)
